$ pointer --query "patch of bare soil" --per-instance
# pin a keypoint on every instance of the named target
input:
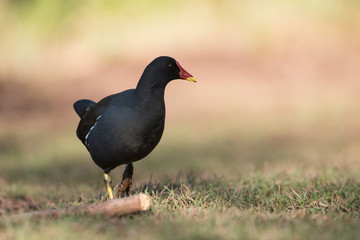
(18, 204)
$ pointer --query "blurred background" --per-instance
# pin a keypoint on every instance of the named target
(278, 86)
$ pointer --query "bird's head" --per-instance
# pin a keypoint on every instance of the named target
(161, 71)
(167, 69)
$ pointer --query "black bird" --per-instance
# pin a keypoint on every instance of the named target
(125, 127)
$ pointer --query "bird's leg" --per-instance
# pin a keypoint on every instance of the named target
(126, 182)
(107, 181)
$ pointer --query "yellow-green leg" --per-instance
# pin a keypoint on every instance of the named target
(107, 181)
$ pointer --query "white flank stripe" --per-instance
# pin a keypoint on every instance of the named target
(87, 135)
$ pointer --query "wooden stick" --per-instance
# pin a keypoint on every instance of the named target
(115, 207)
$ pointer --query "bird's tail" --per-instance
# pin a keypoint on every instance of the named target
(82, 106)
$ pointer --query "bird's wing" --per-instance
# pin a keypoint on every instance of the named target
(89, 118)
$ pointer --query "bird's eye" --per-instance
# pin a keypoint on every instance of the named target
(171, 66)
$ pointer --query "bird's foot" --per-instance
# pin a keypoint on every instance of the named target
(125, 187)
(126, 182)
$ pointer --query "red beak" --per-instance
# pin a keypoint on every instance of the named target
(184, 74)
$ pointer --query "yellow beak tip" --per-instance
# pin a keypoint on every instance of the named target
(191, 79)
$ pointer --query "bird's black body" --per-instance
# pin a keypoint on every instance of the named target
(128, 127)
(125, 127)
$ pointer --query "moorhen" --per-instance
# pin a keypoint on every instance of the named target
(125, 127)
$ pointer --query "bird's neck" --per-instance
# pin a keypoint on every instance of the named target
(151, 85)
(152, 97)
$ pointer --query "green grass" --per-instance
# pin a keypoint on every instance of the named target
(190, 200)
(210, 207)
